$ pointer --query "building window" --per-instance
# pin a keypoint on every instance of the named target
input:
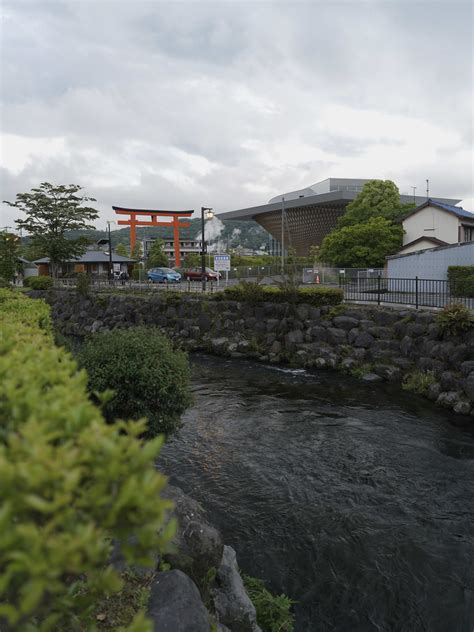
(468, 233)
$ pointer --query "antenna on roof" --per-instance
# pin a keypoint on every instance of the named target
(414, 196)
(427, 189)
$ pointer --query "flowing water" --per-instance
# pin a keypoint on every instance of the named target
(356, 500)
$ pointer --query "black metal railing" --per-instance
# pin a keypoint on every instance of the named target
(415, 292)
(140, 286)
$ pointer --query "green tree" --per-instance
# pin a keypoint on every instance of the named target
(137, 251)
(192, 260)
(9, 252)
(121, 250)
(363, 245)
(378, 198)
(50, 212)
(157, 257)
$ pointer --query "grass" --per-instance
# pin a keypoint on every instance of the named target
(418, 381)
(273, 611)
(120, 608)
(359, 371)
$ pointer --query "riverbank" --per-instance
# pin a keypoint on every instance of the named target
(373, 343)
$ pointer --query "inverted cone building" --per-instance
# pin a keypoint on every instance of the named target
(309, 214)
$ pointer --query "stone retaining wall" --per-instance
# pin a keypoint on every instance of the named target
(371, 342)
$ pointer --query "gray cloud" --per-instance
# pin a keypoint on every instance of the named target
(179, 104)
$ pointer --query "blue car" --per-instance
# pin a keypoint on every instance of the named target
(163, 275)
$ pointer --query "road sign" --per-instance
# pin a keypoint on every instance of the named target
(222, 263)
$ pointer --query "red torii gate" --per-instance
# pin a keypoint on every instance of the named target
(133, 222)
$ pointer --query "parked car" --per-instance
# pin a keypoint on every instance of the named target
(163, 275)
(195, 274)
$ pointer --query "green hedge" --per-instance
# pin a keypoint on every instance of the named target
(70, 484)
(149, 378)
(38, 282)
(254, 293)
(461, 281)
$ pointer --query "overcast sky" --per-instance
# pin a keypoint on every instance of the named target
(227, 104)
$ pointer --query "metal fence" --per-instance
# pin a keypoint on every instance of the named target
(414, 292)
(107, 285)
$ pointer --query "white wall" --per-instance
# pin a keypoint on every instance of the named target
(431, 222)
(432, 263)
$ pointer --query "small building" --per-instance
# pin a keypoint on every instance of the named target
(92, 262)
(26, 268)
(430, 263)
(435, 223)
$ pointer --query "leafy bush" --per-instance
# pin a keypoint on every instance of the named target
(418, 381)
(254, 293)
(149, 377)
(70, 484)
(273, 612)
(461, 281)
(455, 319)
(38, 282)
(83, 284)
(4, 282)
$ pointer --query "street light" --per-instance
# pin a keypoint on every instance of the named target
(209, 215)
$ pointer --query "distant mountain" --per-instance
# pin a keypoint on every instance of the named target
(220, 235)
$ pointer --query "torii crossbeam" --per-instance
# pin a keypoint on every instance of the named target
(133, 221)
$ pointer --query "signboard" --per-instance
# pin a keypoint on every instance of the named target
(222, 263)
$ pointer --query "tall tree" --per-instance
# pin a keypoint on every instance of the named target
(364, 245)
(378, 198)
(121, 250)
(50, 212)
(192, 260)
(9, 253)
(137, 251)
(157, 257)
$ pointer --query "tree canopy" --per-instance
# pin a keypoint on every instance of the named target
(50, 212)
(157, 257)
(192, 260)
(121, 250)
(9, 252)
(362, 245)
(378, 198)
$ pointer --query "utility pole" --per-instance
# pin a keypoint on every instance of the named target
(111, 274)
(414, 196)
(209, 215)
(427, 189)
(282, 235)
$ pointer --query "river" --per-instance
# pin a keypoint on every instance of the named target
(354, 499)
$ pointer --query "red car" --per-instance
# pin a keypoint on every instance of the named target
(195, 274)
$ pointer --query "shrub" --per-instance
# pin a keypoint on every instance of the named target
(254, 293)
(4, 282)
(418, 381)
(273, 612)
(70, 484)
(461, 281)
(38, 282)
(83, 284)
(149, 377)
(455, 319)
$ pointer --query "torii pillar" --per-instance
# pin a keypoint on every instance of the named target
(134, 220)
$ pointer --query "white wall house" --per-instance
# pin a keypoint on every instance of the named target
(435, 223)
